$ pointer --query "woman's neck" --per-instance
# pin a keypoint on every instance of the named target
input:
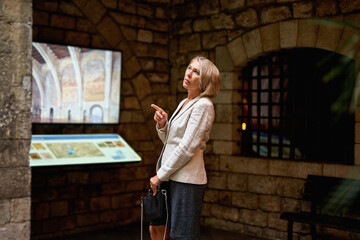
(192, 95)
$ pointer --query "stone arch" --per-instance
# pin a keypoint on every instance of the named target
(313, 33)
(330, 35)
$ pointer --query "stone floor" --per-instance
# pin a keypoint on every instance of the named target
(133, 233)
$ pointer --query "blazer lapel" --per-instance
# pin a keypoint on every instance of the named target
(188, 105)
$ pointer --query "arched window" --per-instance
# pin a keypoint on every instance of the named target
(96, 114)
(297, 104)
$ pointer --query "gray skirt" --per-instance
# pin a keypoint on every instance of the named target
(184, 209)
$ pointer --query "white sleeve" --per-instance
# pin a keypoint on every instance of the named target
(199, 124)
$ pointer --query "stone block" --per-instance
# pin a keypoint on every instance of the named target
(357, 130)
(357, 154)
(275, 14)
(190, 42)
(222, 147)
(227, 78)
(226, 213)
(341, 171)
(292, 188)
(158, 77)
(201, 25)
(142, 86)
(232, 4)
(77, 38)
(237, 182)
(294, 169)
(223, 113)
(303, 9)
(211, 162)
(121, 201)
(20, 209)
(270, 37)
(348, 6)
(260, 2)
(222, 21)
(237, 52)
(326, 7)
(14, 153)
(348, 44)
(224, 96)
(225, 225)
(110, 31)
(245, 200)
(78, 177)
(221, 131)
(188, 10)
(288, 34)
(211, 196)
(18, 178)
(270, 203)
(217, 181)
(5, 210)
(213, 39)
(161, 38)
(205, 209)
(225, 198)
(276, 223)
(42, 211)
(15, 231)
(252, 43)
(59, 208)
(253, 217)
(244, 165)
(261, 184)
(307, 34)
(94, 10)
(40, 18)
(247, 18)
(87, 219)
(209, 7)
(136, 132)
(144, 36)
(328, 35)
(60, 21)
(131, 103)
(145, 10)
(67, 223)
(292, 205)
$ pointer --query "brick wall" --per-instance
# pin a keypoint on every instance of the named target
(15, 127)
(158, 38)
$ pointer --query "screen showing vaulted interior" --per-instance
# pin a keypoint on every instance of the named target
(75, 85)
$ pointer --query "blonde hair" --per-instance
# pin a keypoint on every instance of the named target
(210, 80)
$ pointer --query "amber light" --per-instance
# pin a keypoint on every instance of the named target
(243, 126)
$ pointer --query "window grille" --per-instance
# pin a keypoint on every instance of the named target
(296, 104)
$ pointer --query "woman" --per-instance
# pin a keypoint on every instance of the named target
(181, 168)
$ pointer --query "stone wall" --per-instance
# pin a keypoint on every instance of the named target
(15, 118)
(158, 38)
(73, 199)
(248, 194)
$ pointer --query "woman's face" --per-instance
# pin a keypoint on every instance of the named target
(192, 76)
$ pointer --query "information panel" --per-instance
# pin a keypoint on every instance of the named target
(52, 150)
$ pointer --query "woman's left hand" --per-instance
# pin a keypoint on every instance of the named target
(154, 182)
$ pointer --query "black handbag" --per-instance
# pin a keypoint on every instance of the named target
(154, 207)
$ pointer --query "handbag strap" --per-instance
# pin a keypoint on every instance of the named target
(167, 211)
(167, 214)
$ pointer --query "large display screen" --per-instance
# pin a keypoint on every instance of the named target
(75, 85)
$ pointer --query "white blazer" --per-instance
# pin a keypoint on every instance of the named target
(184, 137)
